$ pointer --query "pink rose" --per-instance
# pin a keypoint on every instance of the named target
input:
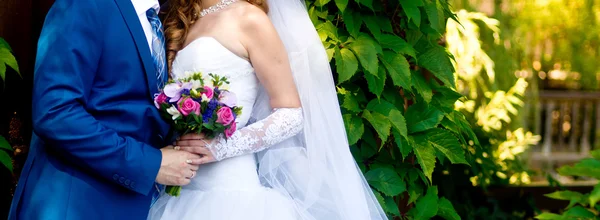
(188, 105)
(229, 131)
(225, 116)
(208, 91)
(160, 99)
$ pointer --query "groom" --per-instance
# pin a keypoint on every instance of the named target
(95, 151)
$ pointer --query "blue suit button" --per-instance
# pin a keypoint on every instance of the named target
(127, 182)
(115, 177)
(121, 179)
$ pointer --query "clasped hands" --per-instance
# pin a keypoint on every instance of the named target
(181, 161)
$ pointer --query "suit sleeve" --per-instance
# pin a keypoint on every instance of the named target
(68, 54)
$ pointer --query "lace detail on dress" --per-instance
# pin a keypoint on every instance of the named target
(282, 124)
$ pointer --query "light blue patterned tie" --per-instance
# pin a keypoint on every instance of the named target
(159, 57)
(158, 47)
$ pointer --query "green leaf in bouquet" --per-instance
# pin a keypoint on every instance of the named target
(6, 160)
(398, 69)
(366, 50)
(354, 127)
(446, 143)
(437, 61)
(427, 206)
(587, 167)
(386, 180)
(380, 123)
(346, 64)
(421, 117)
(425, 154)
(446, 210)
(376, 83)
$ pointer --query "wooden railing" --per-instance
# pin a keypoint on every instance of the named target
(568, 122)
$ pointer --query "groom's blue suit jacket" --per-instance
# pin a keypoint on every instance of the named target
(94, 152)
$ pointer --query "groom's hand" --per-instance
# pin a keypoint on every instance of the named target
(177, 167)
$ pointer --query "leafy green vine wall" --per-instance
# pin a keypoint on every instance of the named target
(396, 86)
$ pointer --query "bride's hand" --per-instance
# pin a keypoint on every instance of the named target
(196, 144)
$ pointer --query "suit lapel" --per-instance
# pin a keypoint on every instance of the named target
(135, 28)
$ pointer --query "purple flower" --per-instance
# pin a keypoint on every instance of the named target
(210, 109)
(174, 90)
(228, 98)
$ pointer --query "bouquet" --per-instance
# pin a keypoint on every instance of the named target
(198, 104)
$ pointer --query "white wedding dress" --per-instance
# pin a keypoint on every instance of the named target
(229, 189)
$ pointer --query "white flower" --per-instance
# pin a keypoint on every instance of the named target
(224, 87)
(207, 80)
(173, 112)
(205, 98)
(196, 84)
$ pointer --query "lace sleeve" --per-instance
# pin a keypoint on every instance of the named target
(282, 124)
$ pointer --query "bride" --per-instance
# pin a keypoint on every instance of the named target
(289, 158)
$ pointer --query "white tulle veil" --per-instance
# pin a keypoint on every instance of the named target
(315, 168)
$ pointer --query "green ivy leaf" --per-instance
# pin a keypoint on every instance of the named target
(4, 44)
(425, 154)
(373, 26)
(341, 4)
(398, 69)
(354, 127)
(385, 24)
(427, 206)
(328, 29)
(365, 49)
(411, 9)
(391, 206)
(380, 123)
(549, 216)
(595, 154)
(321, 3)
(4, 144)
(382, 106)
(445, 98)
(368, 145)
(386, 180)
(350, 103)
(445, 142)
(397, 44)
(579, 212)
(421, 117)
(379, 198)
(376, 83)
(446, 210)
(398, 122)
(436, 16)
(459, 119)
(368, 3)
(422, 86)
(353, 22)
(594, 195)
(414, 192)
(7, 58)
(6, 160)
(586, 167)
(403, 145)
(346, 64)
(572, 197)
(437, 61)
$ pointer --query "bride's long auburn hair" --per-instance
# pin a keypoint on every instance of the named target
(180, 17)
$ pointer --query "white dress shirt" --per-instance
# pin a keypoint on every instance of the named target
(141, 6)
